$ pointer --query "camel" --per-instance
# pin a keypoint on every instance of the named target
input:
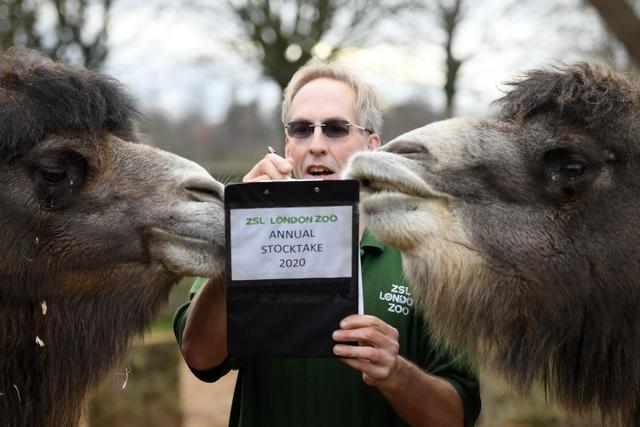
(520, 234)
(95, 228)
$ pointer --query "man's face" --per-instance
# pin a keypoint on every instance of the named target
(319, 156)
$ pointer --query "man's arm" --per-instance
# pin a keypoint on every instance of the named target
(204, 340)
(420, 398)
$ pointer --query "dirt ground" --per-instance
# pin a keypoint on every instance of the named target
(206, 404)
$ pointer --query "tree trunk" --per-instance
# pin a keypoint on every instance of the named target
(450, 16)
(622, 22)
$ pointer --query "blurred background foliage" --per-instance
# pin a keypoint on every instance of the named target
(209, 76)
(247, 44)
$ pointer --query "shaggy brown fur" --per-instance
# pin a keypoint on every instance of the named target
(94, 229)
(520, 234)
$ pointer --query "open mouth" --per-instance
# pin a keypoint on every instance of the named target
(319, 171)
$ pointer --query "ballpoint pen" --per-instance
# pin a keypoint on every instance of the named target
(271, 150)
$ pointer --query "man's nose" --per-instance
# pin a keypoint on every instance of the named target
(318, 141)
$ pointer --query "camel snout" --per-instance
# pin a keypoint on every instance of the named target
(204, 189)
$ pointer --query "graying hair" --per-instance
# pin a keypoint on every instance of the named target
(368, 111)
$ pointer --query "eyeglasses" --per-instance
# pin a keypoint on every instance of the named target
(331, 128)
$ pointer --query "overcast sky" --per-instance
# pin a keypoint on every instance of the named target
(156, 55)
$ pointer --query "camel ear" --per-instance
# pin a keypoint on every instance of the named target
(586, 93)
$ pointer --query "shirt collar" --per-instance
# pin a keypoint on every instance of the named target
(369, 242)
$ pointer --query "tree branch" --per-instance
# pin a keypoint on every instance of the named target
(622, 21)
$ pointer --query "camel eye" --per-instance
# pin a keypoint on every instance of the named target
(568, 174)
(57, 176)
(573, 169)
(53, 176)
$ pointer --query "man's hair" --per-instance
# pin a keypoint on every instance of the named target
(367, 101)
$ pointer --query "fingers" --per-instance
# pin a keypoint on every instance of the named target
(289, 164)
(370, 336)
(373, 345)
(370, 354)
(377, 352)
(271, 167)
(360, 321)
(283, 166)
(376, 366)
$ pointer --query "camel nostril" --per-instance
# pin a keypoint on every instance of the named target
(407, 148)
(204, 194)
(205, 190)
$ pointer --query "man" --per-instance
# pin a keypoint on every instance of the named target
(394, 376)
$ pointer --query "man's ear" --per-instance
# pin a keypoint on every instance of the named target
(374, 142)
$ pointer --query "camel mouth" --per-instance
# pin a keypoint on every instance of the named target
(203, 243)
(387, 201)
(187, 254)
(389, 173)
(405, 183)
(369, 186)
(172, 235)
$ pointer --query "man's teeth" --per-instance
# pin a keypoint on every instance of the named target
(319, 171)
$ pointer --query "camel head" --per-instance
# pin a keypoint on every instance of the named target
(95, 227)
(520, 234)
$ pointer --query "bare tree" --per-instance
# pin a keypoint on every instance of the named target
(439, 26)
(282, 35)
(283, 47)
(449, 15)
(623, 22)
(78, 32)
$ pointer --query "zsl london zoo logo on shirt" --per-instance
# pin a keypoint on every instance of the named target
(398, 298)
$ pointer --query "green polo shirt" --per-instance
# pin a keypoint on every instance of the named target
(323, 392)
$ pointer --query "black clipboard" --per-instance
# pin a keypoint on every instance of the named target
(270, 316)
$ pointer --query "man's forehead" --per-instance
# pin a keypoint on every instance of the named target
(323, 99)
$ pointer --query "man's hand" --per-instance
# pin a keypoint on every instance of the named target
(420, 398)
(376, 356)
(271, 168)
